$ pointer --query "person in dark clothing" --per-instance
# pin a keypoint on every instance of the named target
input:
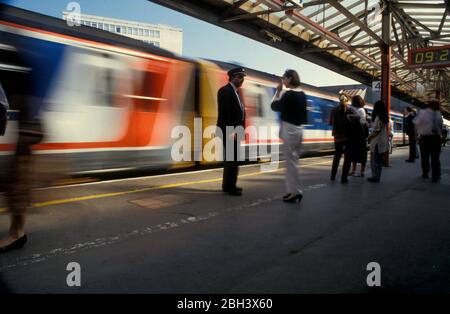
(17, 85)
(410, 131)
(359, 137)
(341, 118)
(231, 114)
(292, 106)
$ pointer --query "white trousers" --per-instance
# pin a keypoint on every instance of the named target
(292, 136)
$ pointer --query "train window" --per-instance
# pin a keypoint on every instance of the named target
(148, 88)
(398, 126)
(104, 87)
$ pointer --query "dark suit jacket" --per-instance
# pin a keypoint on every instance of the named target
(409, 125)
(229, 111)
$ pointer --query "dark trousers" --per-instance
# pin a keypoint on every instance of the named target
(430, 148)
(412, 147)
(341, 147)
(231, 168)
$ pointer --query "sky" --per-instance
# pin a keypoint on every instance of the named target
(200, 39)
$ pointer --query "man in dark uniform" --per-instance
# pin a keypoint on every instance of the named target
(231, 114)
(410, 131)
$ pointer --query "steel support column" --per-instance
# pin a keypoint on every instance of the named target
(386, 65)
(386, 57)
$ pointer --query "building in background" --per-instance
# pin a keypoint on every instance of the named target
(166, 37)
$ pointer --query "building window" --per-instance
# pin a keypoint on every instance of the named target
(94, 25)
(146, 32)
(156, 44)
(135, 31)
(156, 34)
(141, 32)
(106, 27)
(100, 25)
(152, 33)
(117, 29)
(129, 30)
(111, 27)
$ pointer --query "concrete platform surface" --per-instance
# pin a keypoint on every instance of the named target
(179, 233)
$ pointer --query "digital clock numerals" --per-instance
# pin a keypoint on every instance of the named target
(431, 56)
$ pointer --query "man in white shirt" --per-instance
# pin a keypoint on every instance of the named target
(428, 125)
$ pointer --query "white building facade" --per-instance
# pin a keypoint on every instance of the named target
(166, 37)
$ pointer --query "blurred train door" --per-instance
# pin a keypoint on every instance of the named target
(86, 118)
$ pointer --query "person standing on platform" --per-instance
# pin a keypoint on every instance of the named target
(341, 118)
(359, 154)
(411, 132)
(378, 140)
(292, 106)
(231, 114)
(17, 84)
(429, 125)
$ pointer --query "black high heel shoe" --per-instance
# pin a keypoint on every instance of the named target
(17, 244)
(287, 195)
(293, 198)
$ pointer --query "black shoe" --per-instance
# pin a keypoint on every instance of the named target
(17, 244)
(232, 189)
(373, 180)
(344, 181)
(235, 192)
(293, 198)
(333, 178)
(287, 195)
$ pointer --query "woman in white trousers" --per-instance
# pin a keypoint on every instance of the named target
(292, 106)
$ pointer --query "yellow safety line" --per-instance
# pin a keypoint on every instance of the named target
(167, 186)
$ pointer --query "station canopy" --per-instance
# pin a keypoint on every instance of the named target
(346, 36)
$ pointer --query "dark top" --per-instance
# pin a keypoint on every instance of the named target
(409, 125)
(292, 106)
(343, 121)
(230, 112)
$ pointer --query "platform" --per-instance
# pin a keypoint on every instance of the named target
(179, 233)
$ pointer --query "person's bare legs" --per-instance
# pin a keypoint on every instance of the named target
(363, 168)
(16, 230)
(353, 169)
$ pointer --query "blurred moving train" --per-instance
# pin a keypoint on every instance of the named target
(111, 102)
